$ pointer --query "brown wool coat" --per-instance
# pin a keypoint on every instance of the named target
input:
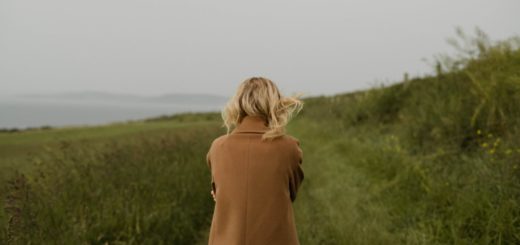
(255, 184)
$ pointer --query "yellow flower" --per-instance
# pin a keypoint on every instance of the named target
(491, 151)
(484, 145)
(479, 132)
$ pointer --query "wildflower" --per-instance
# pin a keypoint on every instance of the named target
(491, 151)
(484, 145)
(479, 132)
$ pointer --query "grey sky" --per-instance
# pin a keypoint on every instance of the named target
(166, 46)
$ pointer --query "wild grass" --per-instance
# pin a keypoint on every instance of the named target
(141, 191)
(433, 160)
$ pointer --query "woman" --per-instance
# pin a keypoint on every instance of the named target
(255, 169)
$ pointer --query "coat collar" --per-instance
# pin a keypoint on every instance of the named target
(252, 124)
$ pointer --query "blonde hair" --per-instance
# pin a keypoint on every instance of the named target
(259, 96)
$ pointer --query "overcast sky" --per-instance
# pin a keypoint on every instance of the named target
(153, 47)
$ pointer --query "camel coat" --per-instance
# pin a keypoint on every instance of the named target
(255, 184)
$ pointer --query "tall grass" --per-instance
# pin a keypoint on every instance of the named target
(149, 190)
(431, 160)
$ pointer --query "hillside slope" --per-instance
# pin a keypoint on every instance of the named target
(433, 160)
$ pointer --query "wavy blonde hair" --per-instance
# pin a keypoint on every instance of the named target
(259, 96)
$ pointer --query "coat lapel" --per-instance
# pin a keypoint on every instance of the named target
(252, 124)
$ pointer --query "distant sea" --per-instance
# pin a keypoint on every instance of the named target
(16, 112)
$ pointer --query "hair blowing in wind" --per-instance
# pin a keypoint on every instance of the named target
(259, 96)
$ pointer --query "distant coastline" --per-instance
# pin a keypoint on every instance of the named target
(41, 111)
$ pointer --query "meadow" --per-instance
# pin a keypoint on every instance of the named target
(429, 160)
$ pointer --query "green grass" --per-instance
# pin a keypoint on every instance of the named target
(66, 171)
(434, 160)
(16, 144)
(431, 160)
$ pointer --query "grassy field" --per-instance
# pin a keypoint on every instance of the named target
(430, 160)
(86, 185)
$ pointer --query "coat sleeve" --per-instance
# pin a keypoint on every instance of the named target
(296, 175)
(208, 162)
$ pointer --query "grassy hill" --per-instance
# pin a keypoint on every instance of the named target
(430, 160)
